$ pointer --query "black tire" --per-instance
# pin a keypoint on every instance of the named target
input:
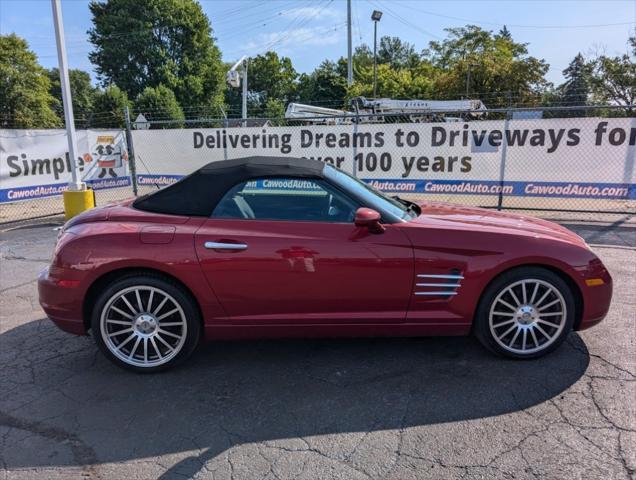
(184, 323)
(490, 330)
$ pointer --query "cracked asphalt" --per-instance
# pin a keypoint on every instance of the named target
(439, 408)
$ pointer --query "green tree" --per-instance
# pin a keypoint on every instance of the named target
(401, 71)
(274, 108)
(614, 78)
(325, 86)
(82, 92)
(25, 101)
(158, 42)
(159, 103)
(501, 70)
(576, 88)
(109, 105)
(361, 59)
(270, 77)
(504, 33)
(397, 54)
(395, 83)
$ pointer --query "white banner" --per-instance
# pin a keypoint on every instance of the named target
(36, 163)
(571, 158)
(568, 158)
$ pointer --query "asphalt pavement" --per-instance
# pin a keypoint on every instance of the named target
(440, 408)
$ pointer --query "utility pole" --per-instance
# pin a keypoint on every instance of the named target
(375, 16)
(349, 52)
(375, 59)
(244, 106)
(75, 184)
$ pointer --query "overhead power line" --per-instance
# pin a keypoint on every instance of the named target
(501, 24)
(403, 20)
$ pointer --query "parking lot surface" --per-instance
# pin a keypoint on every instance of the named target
(440, 408)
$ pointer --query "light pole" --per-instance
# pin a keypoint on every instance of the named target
(349, 50)
(375, 16)
(77, 197)
(76, 183)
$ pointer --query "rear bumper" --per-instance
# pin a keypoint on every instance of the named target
(62, 302)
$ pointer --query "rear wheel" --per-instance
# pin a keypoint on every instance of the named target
(525, 313)
(145, 323)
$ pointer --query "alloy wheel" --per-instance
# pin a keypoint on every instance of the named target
(143, 326)
(527, 316)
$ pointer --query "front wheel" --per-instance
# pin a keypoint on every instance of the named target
(525, 313)
(145, 323)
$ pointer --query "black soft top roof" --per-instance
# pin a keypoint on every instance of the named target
(198, 193)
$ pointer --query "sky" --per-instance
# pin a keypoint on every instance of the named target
(309, 31)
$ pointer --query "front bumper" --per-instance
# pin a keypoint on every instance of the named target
(596, 299)
(62, 302)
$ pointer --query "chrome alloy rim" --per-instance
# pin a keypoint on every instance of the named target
(143, 326)
(527, 316)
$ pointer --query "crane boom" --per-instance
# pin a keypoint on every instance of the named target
(372, 111)
(388, 105)
(318, 115)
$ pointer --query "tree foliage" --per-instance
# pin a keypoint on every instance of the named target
(161, 54)
(361, 59)
(274, 108)
(501, 71)
(25, 100)
(576, 89)
(159, 103)
(271, 77)
(614, 78)
(325, 85)
(157, 42)
(505, 33)
(500, 68)
(82, 92)
(109, 105)
(393, 83)
(397, 53)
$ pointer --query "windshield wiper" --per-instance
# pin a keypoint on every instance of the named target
(411, 207)
(401, 200)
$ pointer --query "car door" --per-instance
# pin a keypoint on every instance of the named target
(278, 251)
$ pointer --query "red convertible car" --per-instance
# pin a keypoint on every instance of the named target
(272, 247)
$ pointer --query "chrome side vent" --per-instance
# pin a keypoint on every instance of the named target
(437, 285)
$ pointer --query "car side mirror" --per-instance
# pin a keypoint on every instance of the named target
(369, 218)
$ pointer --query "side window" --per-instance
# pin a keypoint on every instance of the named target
(291, 199)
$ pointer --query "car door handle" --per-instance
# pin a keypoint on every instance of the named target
(225, 246)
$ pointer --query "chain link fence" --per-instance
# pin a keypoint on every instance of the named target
(548, 161)
(35, 170)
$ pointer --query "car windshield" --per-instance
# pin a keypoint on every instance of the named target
(399, 209)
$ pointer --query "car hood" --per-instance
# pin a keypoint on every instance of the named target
(481, 219)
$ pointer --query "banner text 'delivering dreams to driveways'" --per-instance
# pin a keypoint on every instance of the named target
(570, 158)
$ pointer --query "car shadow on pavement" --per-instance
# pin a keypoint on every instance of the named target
(59, 389)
